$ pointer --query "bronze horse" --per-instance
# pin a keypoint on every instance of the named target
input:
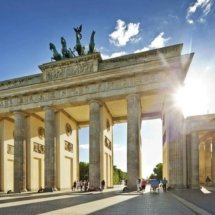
(67, 53)
(92, 43)
(56, 55)
(78, 47)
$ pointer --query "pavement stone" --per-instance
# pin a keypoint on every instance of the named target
(111, 202)
(199, 197)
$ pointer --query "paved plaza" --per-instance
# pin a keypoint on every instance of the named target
(108, 202)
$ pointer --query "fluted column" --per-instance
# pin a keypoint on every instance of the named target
(133, 140)
(208, 159)
(213, 161)
(202, 163)
(95, 144)
(194, 160)
(50, 149)
(19, 153)
(77, 156)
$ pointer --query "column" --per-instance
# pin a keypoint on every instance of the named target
(95, 144)
(208, 159)
(194, 160)
(77, 157)
(133, 140)
(202, 176)
(19, 153)
(213, 161)
(50, 150)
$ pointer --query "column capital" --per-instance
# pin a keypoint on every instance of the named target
(95, 101)
(20, 112)
(49, 107)
(132, 95)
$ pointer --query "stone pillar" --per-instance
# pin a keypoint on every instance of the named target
(77, 157)
(1, 156)
(19, 153)
(50, 150)
(133, 140)
(95, 144)
(202, 163)
(213, 161)
(194, 154)
(208, 159)
(174, 136)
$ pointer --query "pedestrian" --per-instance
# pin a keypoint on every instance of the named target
(81, 184)
(102, 184)
(164, 182)
(138, 183)
(85, 185)
(208, 180)
(74, 186)
(143, 184)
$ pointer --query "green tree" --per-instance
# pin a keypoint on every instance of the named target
(84, 170)
(118, 175)
(157, 172)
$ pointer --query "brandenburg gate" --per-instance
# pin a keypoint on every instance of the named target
(40, 116)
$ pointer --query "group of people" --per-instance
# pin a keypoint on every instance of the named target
(82, 185)
(141, 184)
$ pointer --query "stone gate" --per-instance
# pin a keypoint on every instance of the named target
(42, 113)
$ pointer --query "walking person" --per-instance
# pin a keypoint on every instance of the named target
(74, 186)
(102, 185)
(138, 183)
(164, 182)
(143, 185)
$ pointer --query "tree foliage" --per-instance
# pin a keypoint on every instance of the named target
(118, 174)
(84, 170)
(157, 172)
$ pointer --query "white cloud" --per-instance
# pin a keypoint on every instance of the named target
(141, 50)
(158, 42)
(204, 6)
(84, 146)
(115, 54)
(124, 33)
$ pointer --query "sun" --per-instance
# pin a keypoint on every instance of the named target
(192, 98)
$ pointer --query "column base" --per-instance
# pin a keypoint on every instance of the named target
(92, 188)
(49, 189)
(23, 191)
(195, 186)
(19, 191)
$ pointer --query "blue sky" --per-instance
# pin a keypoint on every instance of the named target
(122, 27)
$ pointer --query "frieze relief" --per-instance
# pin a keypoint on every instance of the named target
(108, 143)
(10, 149)
(73, 70)
(20, 82)
(39, 148)
(68, 146)
(81, 90)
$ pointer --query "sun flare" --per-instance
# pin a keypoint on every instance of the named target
(192, 98)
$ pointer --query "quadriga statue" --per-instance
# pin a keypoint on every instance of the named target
(56, 55)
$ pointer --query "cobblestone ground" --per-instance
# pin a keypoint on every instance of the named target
(202, 198)
(109, 203)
